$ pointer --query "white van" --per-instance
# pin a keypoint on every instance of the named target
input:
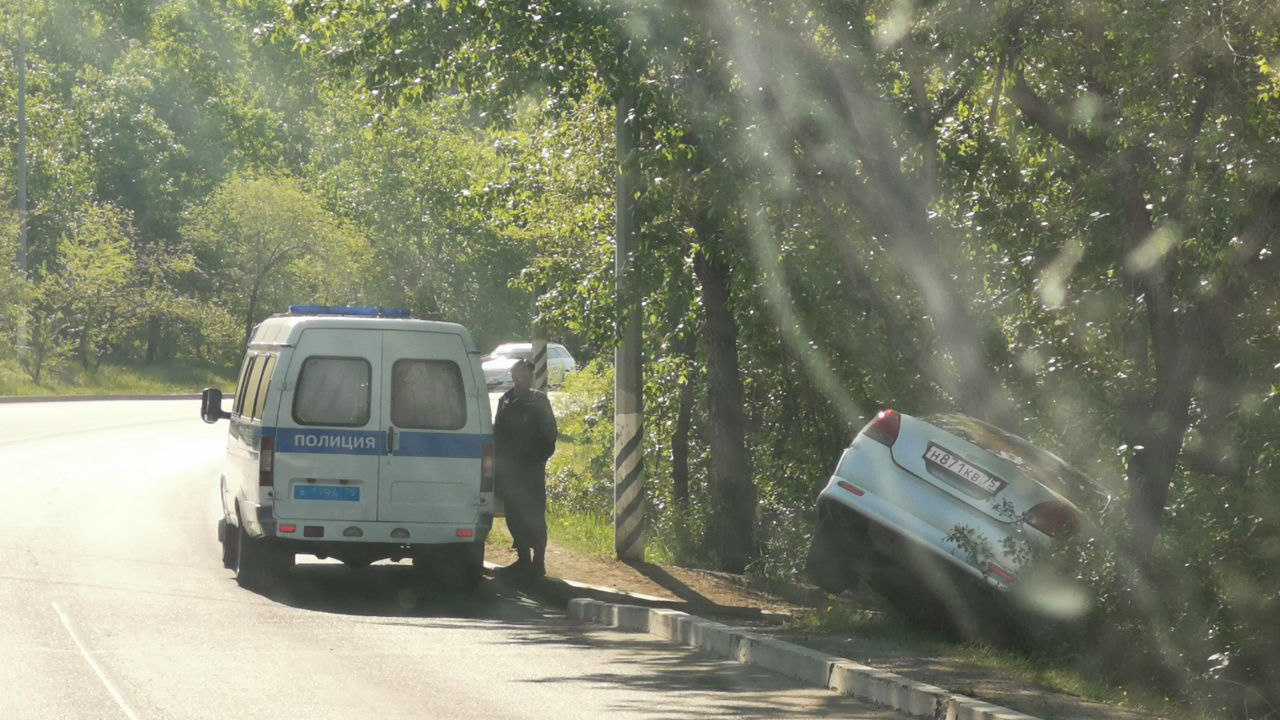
(358, 434)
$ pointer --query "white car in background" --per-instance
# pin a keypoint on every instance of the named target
(937, 513)
(497, 364)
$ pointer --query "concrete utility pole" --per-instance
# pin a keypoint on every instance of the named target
(628, 386)
(539, 347)
(22, 140)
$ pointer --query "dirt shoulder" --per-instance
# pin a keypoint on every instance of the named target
(775, 608)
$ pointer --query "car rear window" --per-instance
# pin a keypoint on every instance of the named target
(428, 395)
(1044, 467)
(524, 352)
(333, 391)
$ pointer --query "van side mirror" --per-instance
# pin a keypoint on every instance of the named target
(211, 406)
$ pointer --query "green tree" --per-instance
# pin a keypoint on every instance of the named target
(96, 268)
(442, 202)
(266, 242)
(83, 299)
(15, 289)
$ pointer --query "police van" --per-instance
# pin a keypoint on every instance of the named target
(358, 434)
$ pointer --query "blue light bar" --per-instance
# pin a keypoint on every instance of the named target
(348, 311)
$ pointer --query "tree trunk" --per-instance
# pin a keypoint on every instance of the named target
(680, 436)
(82, 344)
(1159, 434)
(36, 353)
(731, 521)
(153, 340)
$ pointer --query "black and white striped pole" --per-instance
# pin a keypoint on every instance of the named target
(539, 354)
(628, 422)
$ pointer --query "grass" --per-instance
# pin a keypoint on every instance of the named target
(588, 534)
(1060, 672)
(585, 533)
(174, 378)
(499, 536)
(592, 534)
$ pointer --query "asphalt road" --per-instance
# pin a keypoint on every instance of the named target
(114, 604)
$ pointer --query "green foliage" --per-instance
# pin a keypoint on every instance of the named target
(15, 290)
(268, 242)
(84, 301)
(580, 474)
(445, 206)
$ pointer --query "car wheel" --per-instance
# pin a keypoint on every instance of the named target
(259, 564)
(931, 601)
(227, 537)
(828, 565)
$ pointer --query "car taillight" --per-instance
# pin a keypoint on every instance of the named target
(1053, 518)
(267, 462)
(884, 428)
(486, 468)
(851, 488)
(997, 570)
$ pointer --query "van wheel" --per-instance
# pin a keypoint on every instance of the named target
(828, 565)
(258, 563)
(227, 536)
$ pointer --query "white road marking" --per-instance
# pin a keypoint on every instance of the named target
(97, 669)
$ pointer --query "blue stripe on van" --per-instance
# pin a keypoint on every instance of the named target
(333, 442)
(366, 442)
(450, 445)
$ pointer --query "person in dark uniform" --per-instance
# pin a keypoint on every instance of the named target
(524, 433)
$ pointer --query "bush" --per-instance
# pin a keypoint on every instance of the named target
(580, 474)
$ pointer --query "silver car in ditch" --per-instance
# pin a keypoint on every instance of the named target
(937, 512)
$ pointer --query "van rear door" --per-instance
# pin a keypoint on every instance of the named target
(329, 435)
(431, 473)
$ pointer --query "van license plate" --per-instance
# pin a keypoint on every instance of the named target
(326, 492)
(957, 467)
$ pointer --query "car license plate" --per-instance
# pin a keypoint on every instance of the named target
(955, 465)
(326, 492)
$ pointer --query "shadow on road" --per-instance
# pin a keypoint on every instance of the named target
(387, 590)
(693, 684)
(662, 680)
(693, 601)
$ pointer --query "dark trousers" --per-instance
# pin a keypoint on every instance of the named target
(524, 497)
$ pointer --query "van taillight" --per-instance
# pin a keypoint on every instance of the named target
(486, 468)
(267, 462)
(884, 429)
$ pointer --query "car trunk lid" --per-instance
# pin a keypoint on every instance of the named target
(989, 476)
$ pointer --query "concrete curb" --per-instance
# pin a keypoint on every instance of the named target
(808, 666)
(86, 398)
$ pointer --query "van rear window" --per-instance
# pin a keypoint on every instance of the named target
(241, 391)
(263, 385)
(333, 391)
(428, 394)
